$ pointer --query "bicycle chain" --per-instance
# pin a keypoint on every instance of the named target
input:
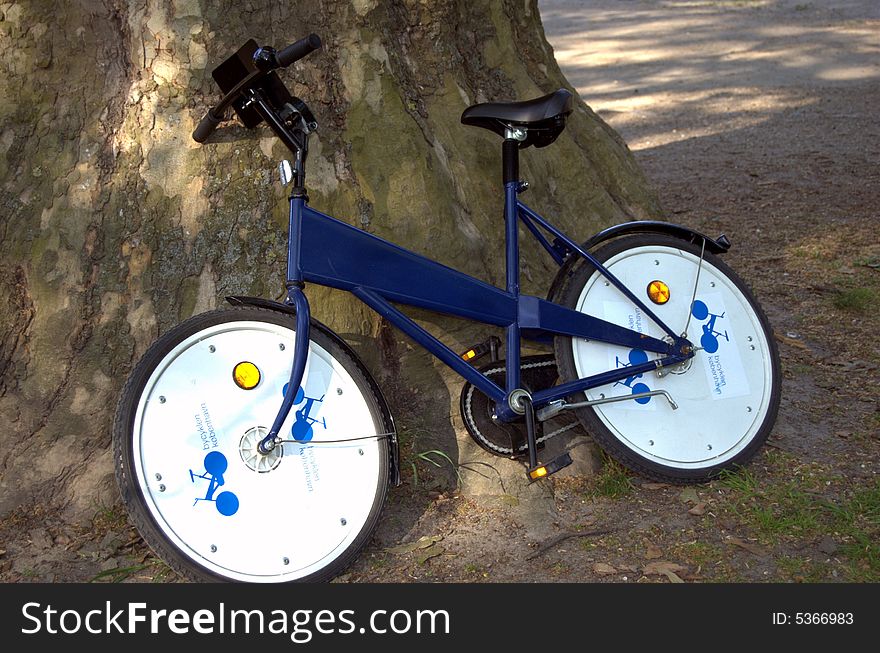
(475, 432)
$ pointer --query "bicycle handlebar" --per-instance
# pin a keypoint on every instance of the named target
(298, 50)
(292, 53)
(206, 127)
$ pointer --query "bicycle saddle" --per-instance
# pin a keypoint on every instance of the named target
(543, 118)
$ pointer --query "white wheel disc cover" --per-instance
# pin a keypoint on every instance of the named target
(243, 524)
(723, 396)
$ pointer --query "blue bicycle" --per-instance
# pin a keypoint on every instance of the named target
(219, 391)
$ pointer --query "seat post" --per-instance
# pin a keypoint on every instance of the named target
(510, 160)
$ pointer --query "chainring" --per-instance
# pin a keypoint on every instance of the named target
(505, 439)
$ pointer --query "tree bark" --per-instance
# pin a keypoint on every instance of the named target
(115, 225)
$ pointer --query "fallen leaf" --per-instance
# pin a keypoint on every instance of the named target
(843, 434)
(653, 552)
(662, 568)
(748, 546)
(655, 486)
(604, 568)
(422, 543)
(698, 509)
(791, 341)
(673, 577)
(431, 552)
(688, 495)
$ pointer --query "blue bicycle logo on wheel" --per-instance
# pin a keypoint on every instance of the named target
(303, 430)
(636, 357)
(709, 340)
(215, 464)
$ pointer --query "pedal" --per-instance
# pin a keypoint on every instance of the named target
(542, 471)
(490, 346)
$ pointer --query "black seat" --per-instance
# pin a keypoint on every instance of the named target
(543, 118)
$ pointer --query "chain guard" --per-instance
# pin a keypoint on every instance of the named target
(505, 439)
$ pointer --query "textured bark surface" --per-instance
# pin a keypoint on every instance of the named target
(114, 224)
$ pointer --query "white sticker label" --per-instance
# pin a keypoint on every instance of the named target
(721, 359)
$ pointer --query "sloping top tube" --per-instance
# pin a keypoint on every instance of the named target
(338, 255)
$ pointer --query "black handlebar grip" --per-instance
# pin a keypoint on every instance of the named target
(206, 127)
(298, 50)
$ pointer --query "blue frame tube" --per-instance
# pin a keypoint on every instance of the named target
(601, 268)
(543, 397)
(552, 250)
(294, 247)
(511, 224)
(437, 348)
(541, 315)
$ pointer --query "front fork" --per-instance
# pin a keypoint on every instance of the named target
(297, 299)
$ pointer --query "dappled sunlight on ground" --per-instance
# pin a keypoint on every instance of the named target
(626, 58)
(697, 113)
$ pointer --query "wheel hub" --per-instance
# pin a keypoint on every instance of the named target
(685, 365)
(249, 450)
(682, 367)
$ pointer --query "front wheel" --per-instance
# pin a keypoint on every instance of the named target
(197, 488)
(727, 395)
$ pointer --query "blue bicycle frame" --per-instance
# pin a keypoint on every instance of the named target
(329, 252)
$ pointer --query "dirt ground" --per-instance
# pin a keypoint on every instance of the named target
(752, 118)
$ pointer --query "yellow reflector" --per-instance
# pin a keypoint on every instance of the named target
(658, 292)
(246, 375)
(469, 354)
(538, 472)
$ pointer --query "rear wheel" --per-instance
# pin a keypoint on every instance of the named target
(727, 395)
(201, 494)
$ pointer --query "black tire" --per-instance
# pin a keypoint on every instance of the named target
(671, 445)
(139, 441)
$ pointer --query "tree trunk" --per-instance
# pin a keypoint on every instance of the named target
(116, 225)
